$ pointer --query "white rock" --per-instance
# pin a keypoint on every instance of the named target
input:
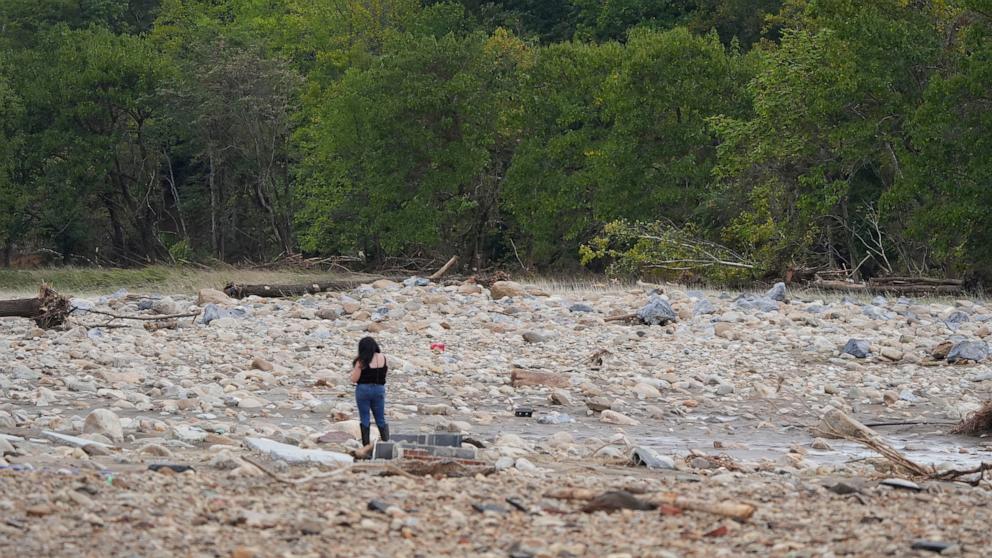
(293, 454)
(613, 417)
(102, 421)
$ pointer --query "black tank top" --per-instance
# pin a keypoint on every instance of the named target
(374, 375)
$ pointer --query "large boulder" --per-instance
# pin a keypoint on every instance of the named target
(858, 348)
(976, 351)
(212, 296)
(777, 292)
(506, 289)
(657, 312)
(102, 421)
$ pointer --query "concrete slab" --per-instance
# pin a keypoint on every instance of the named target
(293, 454)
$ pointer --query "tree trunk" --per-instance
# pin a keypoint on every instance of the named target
(235, 290)
(214, 243)
(49, 309)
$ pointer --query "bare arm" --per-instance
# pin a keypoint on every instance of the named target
(356, 372)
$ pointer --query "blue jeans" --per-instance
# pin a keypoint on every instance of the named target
(371, 397)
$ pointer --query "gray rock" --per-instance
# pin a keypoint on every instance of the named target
(879, 301)
(535, 337)
(102, 421)
(977, 351)
(580, 308)
(22, 372)
(213, 312)
(777, 292)
(877, 313)
(702, 307)
(416, 282)
(657, 312)
(165, 306)
(760, 304)
(647, 457)
(956, 318)
(554, 417)
(858, 348)
(328, 314)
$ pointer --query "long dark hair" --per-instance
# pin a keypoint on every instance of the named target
(367, 348)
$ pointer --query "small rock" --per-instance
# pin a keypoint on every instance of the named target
(560, 397)
(613, 417)
(506, 289)
(892, 354)
(535, 337)
(102, 421)
(259, 363)
(647, 457)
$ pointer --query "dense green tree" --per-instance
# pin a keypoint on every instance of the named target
(408, 154)
(828, 133)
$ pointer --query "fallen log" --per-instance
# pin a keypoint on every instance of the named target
(48, 310)
(914, 281)
(440, 273)
(899, 289)
(237, 290)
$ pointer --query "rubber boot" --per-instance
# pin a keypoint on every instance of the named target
(366, 435)
(383, 432)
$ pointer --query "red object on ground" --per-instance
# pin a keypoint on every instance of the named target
(439, 347)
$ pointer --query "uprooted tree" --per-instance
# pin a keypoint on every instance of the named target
(49, 309)
(665, 249)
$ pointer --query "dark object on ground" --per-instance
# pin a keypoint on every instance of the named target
(617, 500)
(48, 310)
(858, 348)
(483, 508)
(901, 484)
(235, 290)
(523, 412)
(657, 312)
(517, 503)
(378, 506)
(171, 467)
(932, 546)
(977, 423)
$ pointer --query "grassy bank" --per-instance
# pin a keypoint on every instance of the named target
(80, 280)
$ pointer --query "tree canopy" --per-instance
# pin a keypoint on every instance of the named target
(784, 133)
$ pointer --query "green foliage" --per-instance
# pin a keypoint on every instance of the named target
(661, 249)
(776, 133)
(405, 154)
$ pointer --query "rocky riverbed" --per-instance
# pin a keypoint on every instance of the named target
(723, 392)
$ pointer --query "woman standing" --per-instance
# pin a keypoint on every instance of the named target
(368, 373)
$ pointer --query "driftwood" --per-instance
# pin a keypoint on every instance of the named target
(623, 318)
(49, 309)
(977, 423)
(904, 288)
(738, 511)
(236, 290)
(440, 273)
